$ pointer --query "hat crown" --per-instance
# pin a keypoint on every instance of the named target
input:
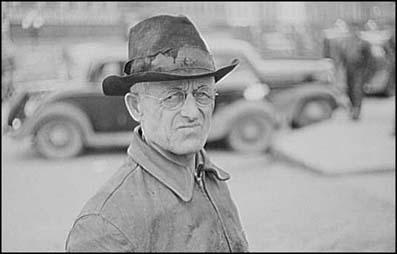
(167, 44)
(159, 33)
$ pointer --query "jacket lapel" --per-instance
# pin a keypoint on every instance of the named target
(177, 178)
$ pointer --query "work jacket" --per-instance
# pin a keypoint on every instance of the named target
(153, 204)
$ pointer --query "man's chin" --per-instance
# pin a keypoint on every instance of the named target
(189, 146)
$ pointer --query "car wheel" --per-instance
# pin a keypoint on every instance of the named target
(58, 138)
(313, 111)
(251, 133)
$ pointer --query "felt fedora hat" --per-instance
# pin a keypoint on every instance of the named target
(164, 48)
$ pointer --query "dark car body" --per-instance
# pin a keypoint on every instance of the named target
(253, 100)
(96, 120)
(303, 91)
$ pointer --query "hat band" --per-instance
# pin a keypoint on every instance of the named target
(188, 58)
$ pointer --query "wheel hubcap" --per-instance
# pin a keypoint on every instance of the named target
(59, 136)
(250, 132)
(314, 111)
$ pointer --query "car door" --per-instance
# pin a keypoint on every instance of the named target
(108, 113)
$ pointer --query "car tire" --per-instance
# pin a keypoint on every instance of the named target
(58, 138)
(313, 111)
(251, 133)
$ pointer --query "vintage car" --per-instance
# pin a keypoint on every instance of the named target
(65, 116)
(254, 100)
(303, 91)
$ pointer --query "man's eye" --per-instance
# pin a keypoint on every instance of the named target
(173, 97)
(202, 95)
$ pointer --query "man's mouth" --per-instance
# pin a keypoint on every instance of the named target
(187, 126)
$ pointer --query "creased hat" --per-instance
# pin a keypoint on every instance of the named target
(163, 48)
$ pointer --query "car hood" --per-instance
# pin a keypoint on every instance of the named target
(277, 66)
(273, 71)
(52, 85)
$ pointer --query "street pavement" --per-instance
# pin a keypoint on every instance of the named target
(283, 205)
(340, 145)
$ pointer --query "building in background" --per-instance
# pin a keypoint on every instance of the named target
(288, 28)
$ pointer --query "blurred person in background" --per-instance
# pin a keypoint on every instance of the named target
(383, 47)
(168, 196)
(353, 59)
(390, 48)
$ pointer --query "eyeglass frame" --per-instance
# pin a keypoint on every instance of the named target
(180, 104)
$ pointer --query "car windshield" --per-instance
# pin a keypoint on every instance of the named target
(82, 59)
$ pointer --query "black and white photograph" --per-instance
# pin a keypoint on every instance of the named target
(189, 126)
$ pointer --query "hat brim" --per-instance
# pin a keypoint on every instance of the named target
(120, 85)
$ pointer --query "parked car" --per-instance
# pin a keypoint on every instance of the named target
(255, 99)
(303, 91)
(66, 117)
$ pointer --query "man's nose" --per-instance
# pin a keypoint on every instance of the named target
(189, 108)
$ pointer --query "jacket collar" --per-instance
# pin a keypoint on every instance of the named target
(204, 163)
(176, 177)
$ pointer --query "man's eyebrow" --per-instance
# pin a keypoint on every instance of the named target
(175, 88)
(203, 86)
(170, 90)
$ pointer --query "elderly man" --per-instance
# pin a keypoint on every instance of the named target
(168, 196)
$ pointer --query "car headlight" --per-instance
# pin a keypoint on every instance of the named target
(256, 91)
(16, 123)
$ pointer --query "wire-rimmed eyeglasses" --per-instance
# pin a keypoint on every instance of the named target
(176, 99)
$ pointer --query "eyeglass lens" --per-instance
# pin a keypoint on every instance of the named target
(177, 98)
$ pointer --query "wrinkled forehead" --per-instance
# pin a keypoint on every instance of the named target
(185, 84)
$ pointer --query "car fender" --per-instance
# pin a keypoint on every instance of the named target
(59, 109)
(290, 101)
(223, 119)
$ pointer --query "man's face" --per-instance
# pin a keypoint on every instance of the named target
(181, 129)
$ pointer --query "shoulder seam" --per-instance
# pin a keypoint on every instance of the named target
(114, 225)
(118, 186)
(105, 219)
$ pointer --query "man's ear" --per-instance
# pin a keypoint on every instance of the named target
(132, 103)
